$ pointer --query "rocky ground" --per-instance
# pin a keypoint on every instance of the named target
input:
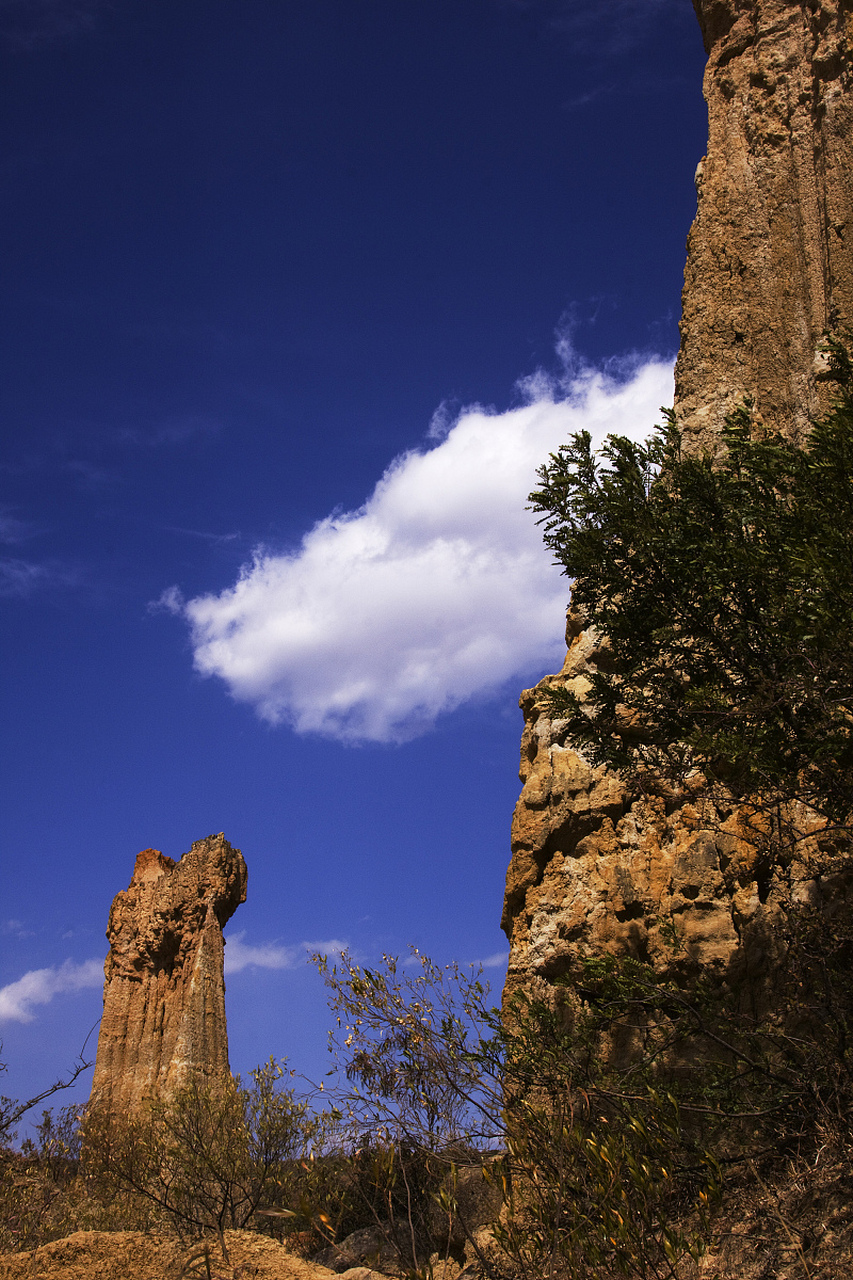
(136, 1255)
(796, 1225)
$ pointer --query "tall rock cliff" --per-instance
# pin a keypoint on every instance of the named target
(770, 267)
(769, 253)
(164, 994)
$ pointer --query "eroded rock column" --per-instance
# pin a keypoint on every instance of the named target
(164, 990)
(769, 269)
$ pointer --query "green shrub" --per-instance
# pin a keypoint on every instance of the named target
(721, 586)
(209, 1156)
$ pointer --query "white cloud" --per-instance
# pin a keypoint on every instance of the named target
(169, 601)
(270, 955)
(436, 591)
(39, 986)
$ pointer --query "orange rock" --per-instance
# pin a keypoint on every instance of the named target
(769, 264)
(164, 994)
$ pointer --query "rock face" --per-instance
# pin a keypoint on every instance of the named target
(769, 254)
(596, 871)
(164, 994)
(770, 267)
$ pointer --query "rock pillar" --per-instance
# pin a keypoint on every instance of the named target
(769, 269)
(164, 993)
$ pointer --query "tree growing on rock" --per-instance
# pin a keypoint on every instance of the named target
(721, 588)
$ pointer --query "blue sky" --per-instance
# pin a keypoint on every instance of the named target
(297, 295)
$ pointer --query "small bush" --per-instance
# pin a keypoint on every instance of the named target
(593, 1167)
(207, 1158)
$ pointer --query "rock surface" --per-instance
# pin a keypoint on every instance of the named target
(164, 993)
(770, 266)
(595, 871)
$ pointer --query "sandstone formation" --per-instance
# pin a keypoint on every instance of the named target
(769, 254)
(770, 266)
(164, 994)
(596, 870)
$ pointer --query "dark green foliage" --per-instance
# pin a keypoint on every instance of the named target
(724, 590)
(596, 1132)
(603, 1176)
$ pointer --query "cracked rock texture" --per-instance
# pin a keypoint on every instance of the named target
(164, 993)
(770, 267)
(769, 253)
(597, 871)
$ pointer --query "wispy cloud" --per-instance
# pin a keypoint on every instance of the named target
(202, 535)
(91, 475)
(241, 955)
(97, 455)
(168, 432)
(22, 578)
(171, 600)
(39, 986)
(585, 99)
(436, 591)
(13, 928)
(14, 530)
(498, 960)
(613, 25)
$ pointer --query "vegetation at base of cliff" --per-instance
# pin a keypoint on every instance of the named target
(607, 1132)
(620, 1126)
(618, 1122)
(722, 589)
(207, 1157)
(578, 1175)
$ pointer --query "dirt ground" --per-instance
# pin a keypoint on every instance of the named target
(791, 1222)
(134, 1255)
